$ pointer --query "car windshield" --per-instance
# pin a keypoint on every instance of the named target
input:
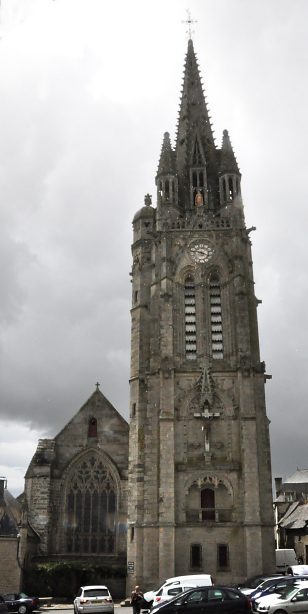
(252, 582)
(96, 592)
(267, 583)
(288, 592)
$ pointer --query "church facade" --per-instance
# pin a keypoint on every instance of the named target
(186, 486)
(199, 459)
(76, 500)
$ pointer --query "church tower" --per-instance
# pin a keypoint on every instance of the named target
(200, 493)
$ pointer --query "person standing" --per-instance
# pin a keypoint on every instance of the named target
(136, 600)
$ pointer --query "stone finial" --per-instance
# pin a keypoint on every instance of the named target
(148, 200)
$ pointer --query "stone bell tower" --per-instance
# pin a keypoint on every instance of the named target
(200, 494)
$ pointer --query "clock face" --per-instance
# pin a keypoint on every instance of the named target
(200, 251)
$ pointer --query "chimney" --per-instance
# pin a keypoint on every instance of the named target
(278, 486)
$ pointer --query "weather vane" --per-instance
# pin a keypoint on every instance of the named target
(189, 21)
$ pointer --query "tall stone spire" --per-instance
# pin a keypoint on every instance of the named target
(195, 144)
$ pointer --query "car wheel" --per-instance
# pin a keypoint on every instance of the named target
(280, 612)
(22, 609)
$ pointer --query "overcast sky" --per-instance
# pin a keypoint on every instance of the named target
(87, 89)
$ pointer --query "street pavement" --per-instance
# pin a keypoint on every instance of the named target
(59, 607)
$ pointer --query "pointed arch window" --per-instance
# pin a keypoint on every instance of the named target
(197, 158)
(198, 173)
(190, 319)
(208, 504)
(231, 188)
(216, 318)
(91, 504)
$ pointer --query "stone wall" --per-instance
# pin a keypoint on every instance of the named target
(10, 577)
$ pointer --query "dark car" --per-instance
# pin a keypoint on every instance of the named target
(207, 600)
(254, 582)
(20, 602)
(268, 586)
(3, 606)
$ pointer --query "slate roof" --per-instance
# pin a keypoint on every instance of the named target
(296, 517)
(299, 477)
(10, 514)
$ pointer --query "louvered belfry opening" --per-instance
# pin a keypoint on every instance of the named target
(216, 318)
(190, 319)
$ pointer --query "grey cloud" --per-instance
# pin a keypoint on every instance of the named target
(81, 132)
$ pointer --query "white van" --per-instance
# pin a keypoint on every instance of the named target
(285, 557)
(298, 570)
(176, 585)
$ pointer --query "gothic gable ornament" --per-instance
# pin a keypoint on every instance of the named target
(204, 396)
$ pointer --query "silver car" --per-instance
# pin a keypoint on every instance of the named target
(93, 599)
(294, 600)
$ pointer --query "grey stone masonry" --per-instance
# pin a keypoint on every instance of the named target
(71, 478)
(199, 453)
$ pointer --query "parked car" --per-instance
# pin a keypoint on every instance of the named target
(93, 599)
(273, 587)
(206, 600)
(284, 558)
(149, 596)
(175, 585)
(255, 582)
(21, 603)
(179, 584)
(293, 600)
(3, 606)
(297, 570)
(268, 585)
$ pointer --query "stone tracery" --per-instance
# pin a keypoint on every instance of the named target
(91, 506)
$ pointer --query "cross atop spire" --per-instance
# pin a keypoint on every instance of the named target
(189, 21)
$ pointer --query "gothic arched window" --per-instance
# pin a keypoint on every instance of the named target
(190, 319)
(91, 504)
(209, 501)
(216, 318)
(231, 194)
